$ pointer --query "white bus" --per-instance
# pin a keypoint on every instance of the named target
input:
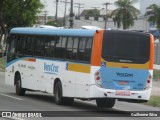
(101, 65)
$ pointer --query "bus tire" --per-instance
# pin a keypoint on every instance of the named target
(18, 86)
(58, 93)
(59, 99)
(105, 102)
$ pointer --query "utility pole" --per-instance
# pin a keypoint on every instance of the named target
(106, 4)
(56, 11)
(71, 15)
(65, 9)
(79, 7)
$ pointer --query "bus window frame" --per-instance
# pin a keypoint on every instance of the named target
(63, 58)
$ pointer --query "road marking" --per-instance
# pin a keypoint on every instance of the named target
(11, 96)
(13, 118)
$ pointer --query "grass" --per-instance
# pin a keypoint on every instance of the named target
(156, 74)
(154, 101)
(2, 64)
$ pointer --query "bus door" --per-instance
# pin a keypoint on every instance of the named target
(10, 57)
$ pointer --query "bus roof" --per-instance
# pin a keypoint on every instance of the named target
(60, 32)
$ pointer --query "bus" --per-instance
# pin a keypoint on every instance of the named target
(101, 65)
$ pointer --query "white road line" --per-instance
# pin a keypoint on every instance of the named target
(13, 118)
(11, 96)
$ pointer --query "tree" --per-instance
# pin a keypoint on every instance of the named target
(18, 13)
(21, 12)
(93, 12)
(154, 14)
(2, 25)
(125, 13)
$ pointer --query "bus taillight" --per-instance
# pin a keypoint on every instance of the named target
(148, 82)
(97, 73)
(98, 79)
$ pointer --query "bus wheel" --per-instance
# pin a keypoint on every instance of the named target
(58, 93)
(105, 102)
(19, 90)
(59, 99)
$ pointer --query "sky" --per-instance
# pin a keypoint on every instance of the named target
(50, 6)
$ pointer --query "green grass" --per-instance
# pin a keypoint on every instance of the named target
(2, 64)
(154, 101)
(156, 74)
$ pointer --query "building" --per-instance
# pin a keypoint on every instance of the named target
(88, 18)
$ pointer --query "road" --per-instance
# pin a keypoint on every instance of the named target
(37, 101)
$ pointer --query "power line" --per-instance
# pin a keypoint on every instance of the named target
(79, 7)
(95, 7)
(64, 20)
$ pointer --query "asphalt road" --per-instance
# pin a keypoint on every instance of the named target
(37, 101)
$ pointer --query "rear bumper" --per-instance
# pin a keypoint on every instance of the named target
(139, 96)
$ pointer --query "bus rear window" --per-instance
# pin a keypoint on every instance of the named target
(126, 47)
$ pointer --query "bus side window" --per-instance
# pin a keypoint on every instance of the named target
(50, 46)
(30, 42)
(88, 49)
(69, 52)
(75, 48)
(58, 50)
(81, 49)
(20, 47)
(61, 47)
(39, 46)
(11, 48)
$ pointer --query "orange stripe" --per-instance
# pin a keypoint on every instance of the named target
(151, 52)
(31, 60)
(97, 48)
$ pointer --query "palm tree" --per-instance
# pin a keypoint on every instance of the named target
(154, 14)
(125, 13)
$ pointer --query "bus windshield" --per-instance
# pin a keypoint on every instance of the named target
(126, 47)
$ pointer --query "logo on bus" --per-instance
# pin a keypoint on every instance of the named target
(124, 74)
(51, 68)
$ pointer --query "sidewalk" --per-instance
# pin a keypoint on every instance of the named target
(156, 88)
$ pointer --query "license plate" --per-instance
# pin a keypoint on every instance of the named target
(123, 93)
(123, 82)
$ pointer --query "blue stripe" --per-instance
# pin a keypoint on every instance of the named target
(59, 32)
(51, 73)
(18, 59)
